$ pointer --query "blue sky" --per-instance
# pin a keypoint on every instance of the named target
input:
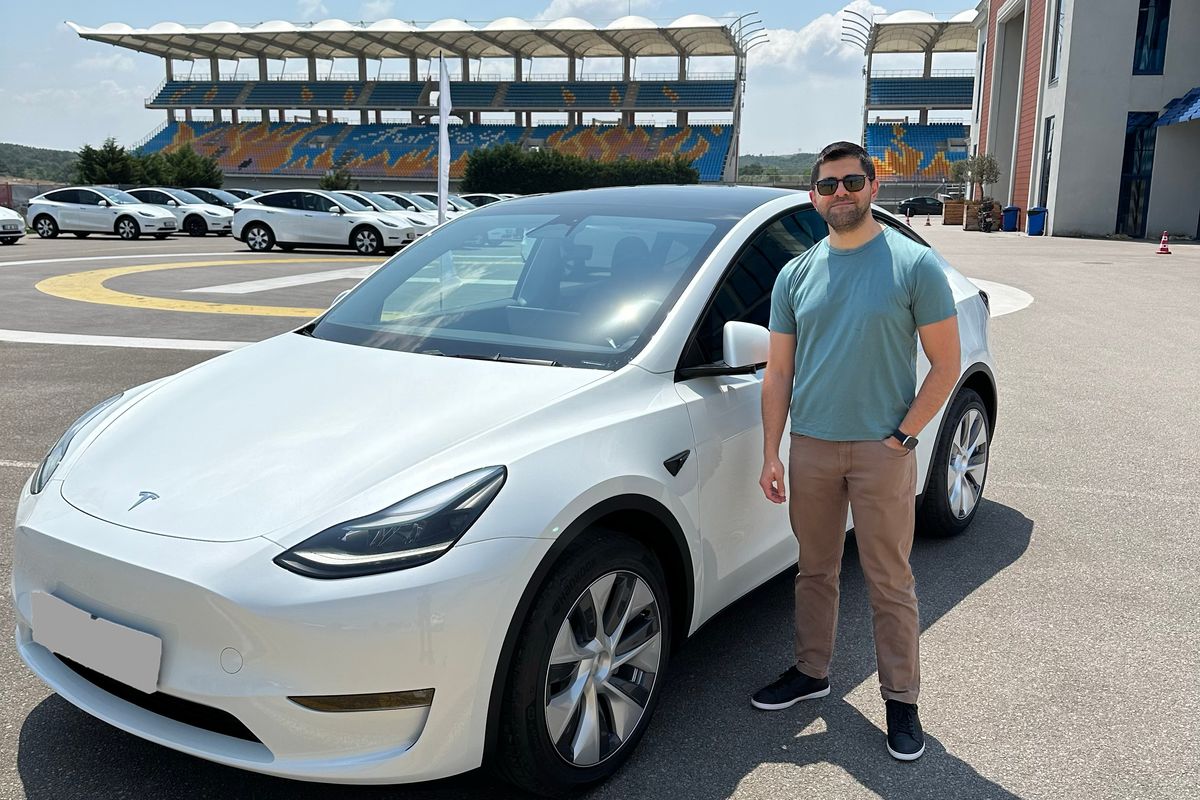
(804, 88)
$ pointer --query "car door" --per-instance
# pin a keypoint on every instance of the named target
(746, 538)
(61, 204)
(93, 212)
(321, 226)
(283, 214)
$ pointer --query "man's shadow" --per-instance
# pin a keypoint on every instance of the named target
(705, 737)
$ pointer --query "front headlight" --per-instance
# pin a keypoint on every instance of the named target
(390, 223)
(147, 214)
(212, 212)
(50, 463)
(410, 533)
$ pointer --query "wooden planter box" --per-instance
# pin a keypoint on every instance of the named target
(952, 212)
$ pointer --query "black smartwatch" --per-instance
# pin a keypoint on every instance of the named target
(908, 442)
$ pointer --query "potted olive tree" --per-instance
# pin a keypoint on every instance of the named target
(976, 171)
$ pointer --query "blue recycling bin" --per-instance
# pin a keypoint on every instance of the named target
(1008, 220)
(1035, 221)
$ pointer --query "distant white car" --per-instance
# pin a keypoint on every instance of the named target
(196, 217)
(422, 221)
(452, 201)
(218, 197)
(12, 226)
(244, 194)
(316, 218)
(415, 202)
(483, 198)
(84, 210)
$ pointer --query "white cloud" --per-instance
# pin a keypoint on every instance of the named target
(376, 9)
(311, 9)
(113, 62)
(817, 48)
(595, 10)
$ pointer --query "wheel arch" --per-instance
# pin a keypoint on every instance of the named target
(129, 217)
(978, 378)
(191, 217)
(654, 526)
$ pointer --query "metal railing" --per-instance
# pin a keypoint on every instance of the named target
(916, 73)
(454, 76)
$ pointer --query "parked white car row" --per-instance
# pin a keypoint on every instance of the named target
(318, 218)
(12, 226)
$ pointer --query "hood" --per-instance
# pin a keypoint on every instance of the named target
(268, 436)
(210, 208)
(8, 213)
(147, 210)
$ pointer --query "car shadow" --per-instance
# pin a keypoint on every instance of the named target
(705, 738)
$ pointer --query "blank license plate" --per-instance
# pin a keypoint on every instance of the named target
(129, 656)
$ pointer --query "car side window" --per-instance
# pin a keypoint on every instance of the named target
(88, 198)
(281, 200)
(745, 293)
(316, 202)
(63, 196)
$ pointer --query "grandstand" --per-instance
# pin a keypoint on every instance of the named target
(913, 153)
(273, 127)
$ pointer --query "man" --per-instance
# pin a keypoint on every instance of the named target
(845, 317)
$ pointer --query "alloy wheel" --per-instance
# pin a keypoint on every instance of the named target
(257, 239)
(366, 242)
(46, 228)
(603, 666)
(968, 463)
(127, 229)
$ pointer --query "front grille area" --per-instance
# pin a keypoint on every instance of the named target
(197, 715)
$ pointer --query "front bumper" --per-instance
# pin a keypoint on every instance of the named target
(219, 224)
(440, 626)
(158, 225)
(12, 229)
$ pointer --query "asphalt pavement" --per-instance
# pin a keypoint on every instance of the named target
(1060, 634)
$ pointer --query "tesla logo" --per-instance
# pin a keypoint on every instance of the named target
(143, 497)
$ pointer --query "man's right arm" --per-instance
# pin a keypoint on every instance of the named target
(776, 400)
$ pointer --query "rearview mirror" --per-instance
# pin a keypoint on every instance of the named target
(173, 203)
(745, 344)
(335, 209)
(104, 204)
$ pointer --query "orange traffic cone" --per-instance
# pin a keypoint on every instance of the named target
(926, 220)
(1163, 250)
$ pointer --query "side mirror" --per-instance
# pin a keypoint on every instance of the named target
(745, 344)
(173, 203)
(105, 204)
(335, 210)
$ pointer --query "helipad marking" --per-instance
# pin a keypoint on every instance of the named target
(18, 464)
(146, 343)
(88, 287)
(1004, 299)
(287, 281)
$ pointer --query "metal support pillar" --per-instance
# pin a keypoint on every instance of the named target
(214, 74)
(170, 76)
(314, 115)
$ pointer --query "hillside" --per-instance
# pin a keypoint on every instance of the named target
(35, 163)
(793, 164)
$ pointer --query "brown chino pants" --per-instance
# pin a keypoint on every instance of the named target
(879, 485)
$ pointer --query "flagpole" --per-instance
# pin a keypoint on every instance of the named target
(443, 138)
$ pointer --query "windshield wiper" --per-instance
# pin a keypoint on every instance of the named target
(537, 362)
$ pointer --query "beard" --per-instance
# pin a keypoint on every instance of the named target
(846, 216)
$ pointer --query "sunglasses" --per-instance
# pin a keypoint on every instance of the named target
(853, 183)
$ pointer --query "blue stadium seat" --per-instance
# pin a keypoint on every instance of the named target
(949, 92)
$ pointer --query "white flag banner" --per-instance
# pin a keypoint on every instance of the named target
(443, 138)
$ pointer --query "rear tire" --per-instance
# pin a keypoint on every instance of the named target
(366, 241)
(128, 229)
(194, 226)
(589, 663)
(9, 241)
(258, 237)
(45, 226)
(958, 468)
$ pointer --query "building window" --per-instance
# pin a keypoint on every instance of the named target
(1060, 18)
(1047, 160)
(1135, 174)
(1150, 47)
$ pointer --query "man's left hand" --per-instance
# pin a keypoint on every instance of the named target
(894, 444)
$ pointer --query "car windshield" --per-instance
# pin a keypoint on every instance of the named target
(384, 203)
(219, 196)
(420, 202)
(116, 196)
(187, 198)
(351, 203)
(580, 284)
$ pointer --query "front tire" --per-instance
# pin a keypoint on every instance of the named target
(584, 680)
(128, 229)
(366, 241)
(258, 237)
(9, 241)
(45, 226)
(195, 226)
(958, 468)
(81, 235)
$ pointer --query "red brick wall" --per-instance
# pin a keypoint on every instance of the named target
(1031, 84)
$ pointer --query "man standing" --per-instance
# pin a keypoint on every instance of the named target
(845, 317)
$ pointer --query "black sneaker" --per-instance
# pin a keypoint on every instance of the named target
(790, 688)
(905, 739)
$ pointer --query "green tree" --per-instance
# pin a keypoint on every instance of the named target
(185, 167)
(110, 163)
(979, 170)
(509, 168)
(336, 179)
(752, 169)
(153, 170)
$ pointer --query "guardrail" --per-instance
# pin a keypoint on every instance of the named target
(487, 76)
(916, 73)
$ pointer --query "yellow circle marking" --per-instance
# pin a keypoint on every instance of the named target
(88, 287)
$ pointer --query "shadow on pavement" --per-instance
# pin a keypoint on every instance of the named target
(703, 742)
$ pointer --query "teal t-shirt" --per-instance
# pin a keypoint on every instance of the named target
(855, 315)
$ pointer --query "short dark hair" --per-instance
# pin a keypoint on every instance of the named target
(839, 150)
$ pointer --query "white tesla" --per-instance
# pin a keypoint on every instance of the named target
(12, 225)
(464, 516)
(196, 217)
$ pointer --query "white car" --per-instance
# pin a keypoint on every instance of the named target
(468, 513)
(453, 202)
(196, 217)
(314, 218)
(481, 199)
(84, 210)
(12, 225)
(421, 221)
(413, 202)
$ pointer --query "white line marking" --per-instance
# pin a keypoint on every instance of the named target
(114, 258)
(18, 464)
(267, 284)
(39, 337)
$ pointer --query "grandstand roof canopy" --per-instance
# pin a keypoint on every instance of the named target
(692, 35)
(918, 32)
